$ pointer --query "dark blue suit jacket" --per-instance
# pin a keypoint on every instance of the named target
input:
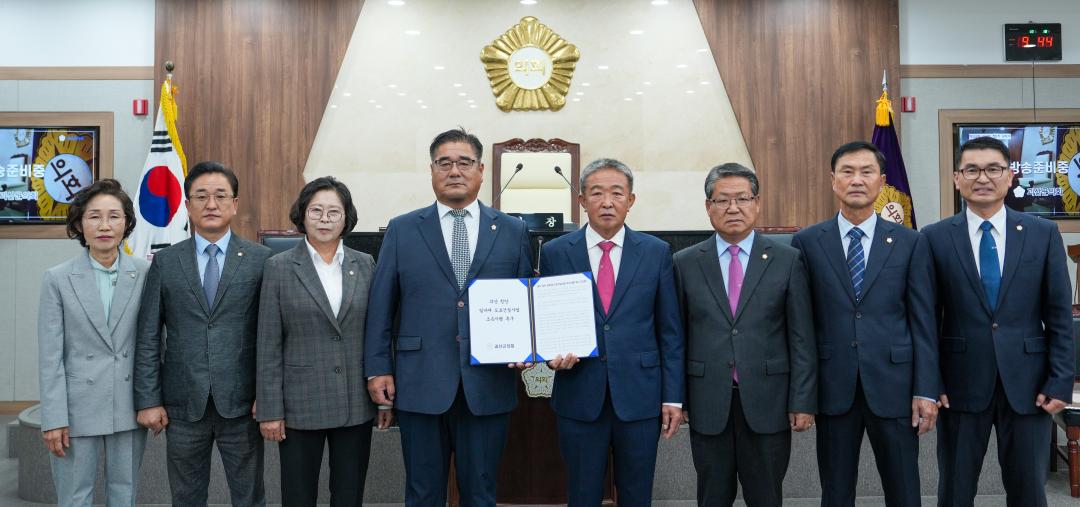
(418, 321)
(640, 340)
(886, 340)
(1028, 340)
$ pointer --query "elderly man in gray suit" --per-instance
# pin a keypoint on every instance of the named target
(751, 358)
(204, 291)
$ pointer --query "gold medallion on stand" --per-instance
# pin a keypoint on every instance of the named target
(530, 67)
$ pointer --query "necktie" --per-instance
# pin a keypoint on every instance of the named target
(856, 261)
(459, 255)
(734, 289)
(605, 279)
(989, 270)
(211, 275)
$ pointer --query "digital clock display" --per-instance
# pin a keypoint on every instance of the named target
(1032, 42)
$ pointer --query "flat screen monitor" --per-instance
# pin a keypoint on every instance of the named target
(1045, 165)
(41, 169)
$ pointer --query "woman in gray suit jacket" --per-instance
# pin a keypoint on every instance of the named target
(311, 388)
(86, 338)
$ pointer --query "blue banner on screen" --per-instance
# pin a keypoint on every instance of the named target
(41, 169)
(1045, 165)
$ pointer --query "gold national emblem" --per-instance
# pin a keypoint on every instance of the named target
(1068, 180)
(894, 206)
(530, 67)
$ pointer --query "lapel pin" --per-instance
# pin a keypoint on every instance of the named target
(239, 254)
(350, 273)
(1019, 227)
(132, 275)
(493, 227)
(888, 240)
(764, 256)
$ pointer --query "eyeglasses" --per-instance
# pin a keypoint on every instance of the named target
(993, 172)
(202, 199)
(742, 202)
(332, 216)
(97, 220)
(445, 164)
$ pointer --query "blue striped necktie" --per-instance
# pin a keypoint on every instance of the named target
(989, 269)
(856, 260)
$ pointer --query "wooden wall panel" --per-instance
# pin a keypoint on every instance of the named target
(802, 76)
(254, 77)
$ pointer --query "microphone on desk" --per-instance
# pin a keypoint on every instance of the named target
(558, 170)
(495, 201)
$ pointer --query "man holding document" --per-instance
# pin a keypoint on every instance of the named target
(633, 390)
(420, 363)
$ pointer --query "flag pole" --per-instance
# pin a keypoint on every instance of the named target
(169, 66)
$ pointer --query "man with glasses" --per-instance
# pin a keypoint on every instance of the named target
(1005, 332)
(416, 350)
(202, 297)
(751, 364)
(872, 283)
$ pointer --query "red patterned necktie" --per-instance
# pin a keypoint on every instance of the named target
(605, 278)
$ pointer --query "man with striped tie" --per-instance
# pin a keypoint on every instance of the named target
(872, 285)
(751, 364)
(1005, 332)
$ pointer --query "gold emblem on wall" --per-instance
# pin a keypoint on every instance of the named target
(530, 67)
(1069, 156)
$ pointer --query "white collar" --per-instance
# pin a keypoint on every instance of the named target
(339, 255)
(593, 238)
(975, 221)
(472, 210)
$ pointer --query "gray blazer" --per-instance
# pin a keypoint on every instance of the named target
(311, 363)
(85, 360)
(201, 352)
(770, 339)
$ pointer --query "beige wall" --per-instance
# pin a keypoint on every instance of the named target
(668, 136)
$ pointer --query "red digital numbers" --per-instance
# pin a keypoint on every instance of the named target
(1045, 41)
(1024, 41)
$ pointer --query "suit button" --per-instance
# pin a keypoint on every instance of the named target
(731, 364)
(994, 326)
(603, 358)
(90, 381)
(127, 378)
(461, 304)
(458, 338)
(336, 338)
(734, 332)
(89, 356)
(854, 344)
(125, 353)
(607, 327)
(337, 369)
(209, 326)
(858, 315)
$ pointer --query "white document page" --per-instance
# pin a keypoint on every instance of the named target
(499, 327)
(564, 316)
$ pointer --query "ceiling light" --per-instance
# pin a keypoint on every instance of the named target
(400, 94)
(602, 67)
(396, 3)
(703, 50)
(704, 83)
(419, 101)
(639, 93)
(371, 101)
(472, 106)
(586, 85)
(347, 94)
(647, 83)
(628, 99)
(423, 106)
(412, 32)
(689, 91)
(637, 32)
(457, 85)
(528, 2)
(681, 66)
(659, 2)
(576, 99)
(579, 93)
(391, 86)
(440, 67)
(462, 94)
(333, 106)
(470, 101)
(378, 106)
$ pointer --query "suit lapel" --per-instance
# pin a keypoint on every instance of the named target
(829, 239)
(1014, 247)
(962, 244)
(432, 233)
(759, 262)
(881, 248)
(628, 266)
(485, 238)
(309, 278)
(350, 275)
(84, 283)
(190, 266)
(709, 260)
(578, 253)
(125, 287)
(233, 259)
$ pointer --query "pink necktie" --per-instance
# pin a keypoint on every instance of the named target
(734, 288)
(605, 279)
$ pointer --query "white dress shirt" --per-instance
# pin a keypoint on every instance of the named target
(867, 226)
(329, 274)
(472, 226)
(592, 244)
(997, 232)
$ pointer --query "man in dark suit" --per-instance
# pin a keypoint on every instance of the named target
(204, 291)
(1005, 332)
(872, 283)
(631, 394)
(416, 349)
(751, 361)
